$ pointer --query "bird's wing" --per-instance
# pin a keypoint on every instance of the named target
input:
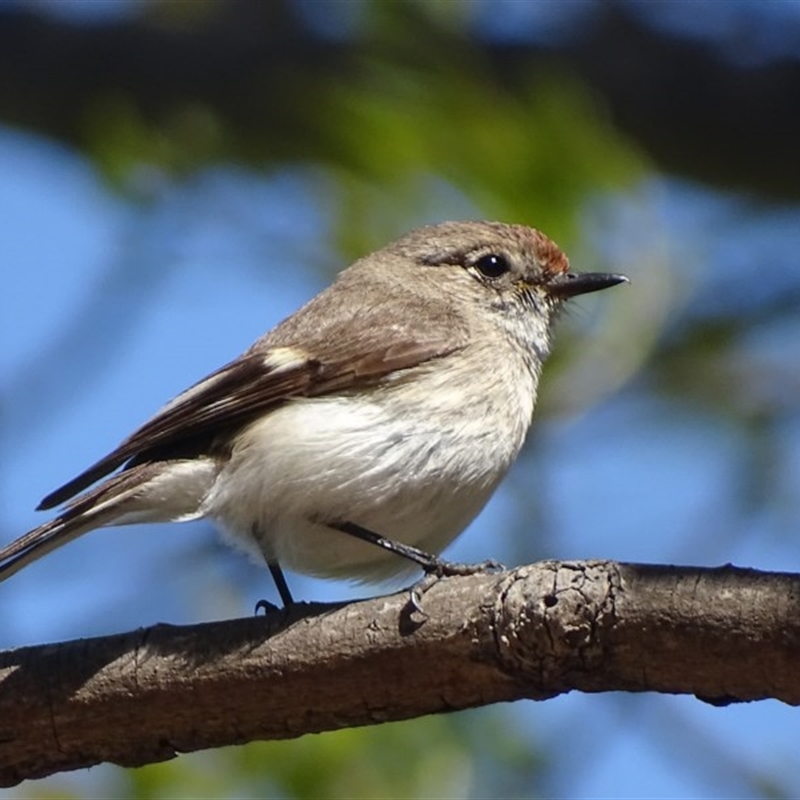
(262, 378)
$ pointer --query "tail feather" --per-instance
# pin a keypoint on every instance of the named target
(154, 492)
(93, 510)
(40, 541)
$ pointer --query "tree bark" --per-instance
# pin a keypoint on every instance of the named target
(725, 635)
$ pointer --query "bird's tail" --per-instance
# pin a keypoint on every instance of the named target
(152, 492)
(40, 541)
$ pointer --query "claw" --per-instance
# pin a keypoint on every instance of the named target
(415, 601)
(266, 607)
(438, 569)
(418, 591)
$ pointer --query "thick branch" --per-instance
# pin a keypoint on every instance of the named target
(723, 634)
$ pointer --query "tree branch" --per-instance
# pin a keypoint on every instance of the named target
(723, 634)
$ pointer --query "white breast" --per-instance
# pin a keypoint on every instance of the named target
(414, 461)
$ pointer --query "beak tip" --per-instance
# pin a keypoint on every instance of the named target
(574, 283)
(618, 279)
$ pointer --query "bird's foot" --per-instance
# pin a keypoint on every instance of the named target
(439, 568)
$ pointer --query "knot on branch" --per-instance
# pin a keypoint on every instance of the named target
(550, 619)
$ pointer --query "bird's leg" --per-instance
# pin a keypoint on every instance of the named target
(282, 587)
(433, 566)
(428, 562)
(280, 583)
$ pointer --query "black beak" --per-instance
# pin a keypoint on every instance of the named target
(571, 284)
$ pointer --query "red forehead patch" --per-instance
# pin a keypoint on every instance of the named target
(547, 252)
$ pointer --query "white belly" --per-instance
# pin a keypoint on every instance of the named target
(416, 478)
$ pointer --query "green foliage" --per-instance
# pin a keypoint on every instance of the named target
(443, 756)
(403, 141)
(407, 113)
(121, 139)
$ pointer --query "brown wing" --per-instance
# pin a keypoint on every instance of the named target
(352, 334)
(262, 378)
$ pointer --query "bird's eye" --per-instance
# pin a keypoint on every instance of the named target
(492, 265)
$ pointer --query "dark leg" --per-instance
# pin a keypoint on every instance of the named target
(431, 565)
(280, 583)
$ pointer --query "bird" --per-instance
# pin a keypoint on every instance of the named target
(362, 434)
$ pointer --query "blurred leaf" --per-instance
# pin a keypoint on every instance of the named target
(438, 756)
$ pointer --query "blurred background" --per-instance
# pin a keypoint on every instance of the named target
(176, 177)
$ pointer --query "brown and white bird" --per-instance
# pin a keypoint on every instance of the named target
(363, 433)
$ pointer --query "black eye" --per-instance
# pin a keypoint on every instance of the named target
(492, 265)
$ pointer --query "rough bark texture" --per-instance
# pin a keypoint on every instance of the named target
(723, 634)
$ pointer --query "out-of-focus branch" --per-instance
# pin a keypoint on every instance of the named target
(251, 69)
(724, 634)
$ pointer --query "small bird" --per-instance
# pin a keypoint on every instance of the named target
(361, 435)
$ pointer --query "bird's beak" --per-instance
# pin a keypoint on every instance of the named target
(571, 284)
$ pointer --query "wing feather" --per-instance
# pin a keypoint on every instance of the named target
(255, 382)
